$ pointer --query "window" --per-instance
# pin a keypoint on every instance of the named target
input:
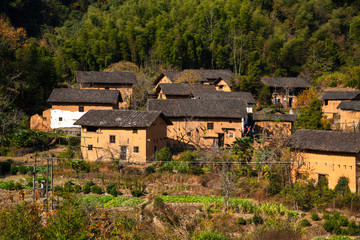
(188, 134)
(135, 131)
(81, 108)
(107, 88)
(231, 135)
(60, 119)
(326, 102)
(210, 125)
(136, 149)
(112, 139)
(90, 147)
(44, 118)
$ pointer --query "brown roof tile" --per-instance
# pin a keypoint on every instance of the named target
(106, 77)
(285, 82)
(247, 96)
(340, 95)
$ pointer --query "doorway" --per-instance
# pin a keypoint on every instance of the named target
(220, 140)
(123, 152)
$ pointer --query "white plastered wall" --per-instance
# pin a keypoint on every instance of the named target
(68, 118)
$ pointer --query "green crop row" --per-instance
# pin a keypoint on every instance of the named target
(110, 201)
(245, 205)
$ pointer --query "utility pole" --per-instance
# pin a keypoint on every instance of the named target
(34, 175)
(52, 183)
(47, 179)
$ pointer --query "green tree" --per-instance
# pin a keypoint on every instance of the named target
(311, 116)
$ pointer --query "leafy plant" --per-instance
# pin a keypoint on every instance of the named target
(96, 189)
(315, 216)
(304, 223)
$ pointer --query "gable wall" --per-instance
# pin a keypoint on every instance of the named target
(333, 165)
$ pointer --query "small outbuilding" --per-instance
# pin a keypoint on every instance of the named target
(124, 135)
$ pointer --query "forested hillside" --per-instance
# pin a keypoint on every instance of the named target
(44, 42)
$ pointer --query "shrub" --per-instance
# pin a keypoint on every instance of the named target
(343, 221)
(5, 167)
(18, 186)
(241, 221)
(136, 192)
(14, 170)
(257, 219)
(77, 189)
(163, 155)
(96, 189)
(115, 192)
(68, 187)
(330, 225)
(315, 216)
(24, 169)
(110, 187)
(342, 186)
(326, 216)
(196, 170)
(7, 185)
(86, 189)
(182, 167)
(58, 189)
(188, 156)
(150, 169)
(304, 223)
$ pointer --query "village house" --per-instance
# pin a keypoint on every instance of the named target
(268, 123)
(221, 79)
(332, 99)
(181, 90)
(202, 123)
(349, 115)
(124, 135)
(327, 155)
(284, 90)
(68, 105)
(121, 81)
(246, 96)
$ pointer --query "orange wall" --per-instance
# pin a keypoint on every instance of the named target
(41, 123)
(165, 79)
(330, 108)
(269, 128)
(201, 137)
(332, 165)
(349, 119)
(225, 87)
(75, 108)
(145, 138)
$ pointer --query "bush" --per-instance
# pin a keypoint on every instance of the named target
(241, 221)
(7, 185)
(115, 192)
(86, 189)
(136, 192)
(110, 187)
(326, 216)
(330, 225)
(163, 155)
(315, 217)
(150, 170)
(58, 189)
(304, 223)
(342, 186)
(14, 170)
(196, 170)
(257, 219)
(343, 221)
(77, 189)
(25, 169)
(18, 186)
(68, 187)
(5, 167)
(188, 156)
(96, 189)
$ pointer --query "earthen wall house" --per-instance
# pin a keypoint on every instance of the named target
(121, 81)
(199, 123)
(124, 135)
(331, 101)
(68, 105)
(284, 90)
(327, 155)
(269, 123)
(349, 112)
(221, 79)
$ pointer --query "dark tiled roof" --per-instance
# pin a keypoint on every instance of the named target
(171, 75)
(247, 96)
(200, 74)
(329, 141)
(106, 77)
(265, 116)
(185, 89)
(120, 118)
(76, 96)
(339, 95)
(349, 105)
(232, 108)
(285, 82)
